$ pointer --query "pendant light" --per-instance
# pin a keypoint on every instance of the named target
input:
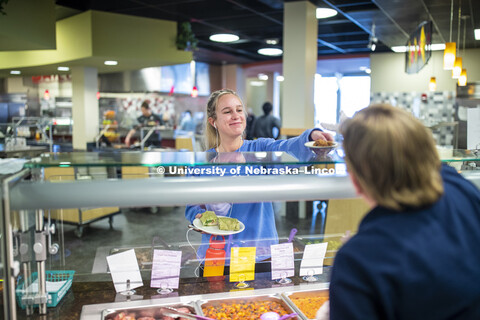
(450, 47)
(432, 85)
(457, 68)
(462, 80)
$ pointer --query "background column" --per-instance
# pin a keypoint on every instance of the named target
(300, 31)
(85, 106)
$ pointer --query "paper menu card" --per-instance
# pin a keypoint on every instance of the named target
(166, 269)
(282, 260)
(313, 256)
(123, 267)
(242, 264)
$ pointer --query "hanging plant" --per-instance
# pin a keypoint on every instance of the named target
(185, 37)
(2, 3)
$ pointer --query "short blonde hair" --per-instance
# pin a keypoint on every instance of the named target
(212, 139)
(393, 157)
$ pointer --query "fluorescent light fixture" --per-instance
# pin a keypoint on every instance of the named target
(477, 34)
(433, 47)
(15, 72)
(63, 68)
(257, 83)
(270, 51)
(272, 41)
(224, 37)
(111, 63)
(323, 13)
(262, 76)
(437, 46)
(280, 78)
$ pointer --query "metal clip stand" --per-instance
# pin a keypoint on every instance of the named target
(128, 292)
(164, 288)
(241, 284)
(284, 279)
(310, 276)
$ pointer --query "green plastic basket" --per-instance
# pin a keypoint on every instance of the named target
(53, 295)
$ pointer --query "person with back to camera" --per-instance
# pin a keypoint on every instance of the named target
(416, 254)
(264, 125)
(224, 132)
(147, 119)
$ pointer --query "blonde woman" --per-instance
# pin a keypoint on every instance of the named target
(225, 127)
(416, 254)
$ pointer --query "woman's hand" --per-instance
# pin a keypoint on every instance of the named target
(320, 135)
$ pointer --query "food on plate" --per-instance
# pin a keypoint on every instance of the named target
(309, 305)
(209, 218)
(323, 143)
(245, 310)
(228, 224)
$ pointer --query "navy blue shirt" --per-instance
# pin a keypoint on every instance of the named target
(422, 264)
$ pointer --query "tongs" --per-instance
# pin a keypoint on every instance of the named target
(174, 313)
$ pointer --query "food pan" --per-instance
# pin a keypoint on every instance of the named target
(308, 311)
(151, 312)
(250, 306)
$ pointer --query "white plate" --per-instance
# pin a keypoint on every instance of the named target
(214, 229)
(310, 145)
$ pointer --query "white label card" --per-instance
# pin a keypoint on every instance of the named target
(123, 268)
(166, 269)
(312, 261)
(282, 260)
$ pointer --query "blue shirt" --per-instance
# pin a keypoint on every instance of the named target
(259, 218)
(422, 264)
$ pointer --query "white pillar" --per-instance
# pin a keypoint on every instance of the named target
(300, 31)
(85, 106)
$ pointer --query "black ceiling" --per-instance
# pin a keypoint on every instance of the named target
(257, 20)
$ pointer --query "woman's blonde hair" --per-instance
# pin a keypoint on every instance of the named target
(212, 139)
(393, 157)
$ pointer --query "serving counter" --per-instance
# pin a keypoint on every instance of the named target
(164, 180)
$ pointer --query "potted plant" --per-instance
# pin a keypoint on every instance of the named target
(2, 3)
(185, 37)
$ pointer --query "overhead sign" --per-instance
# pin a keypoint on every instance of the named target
(419, 48)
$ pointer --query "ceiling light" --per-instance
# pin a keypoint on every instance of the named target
(323, 13)
(368, 70)
(15, 72)
(477, 34)
(272, 41)
(373, 46)
(257, 83)
(262, 76)
(437, 46)
(280, 78)
(63, 68)
(433, 47)
(224, 37)
(270, 51)
(111, 62)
